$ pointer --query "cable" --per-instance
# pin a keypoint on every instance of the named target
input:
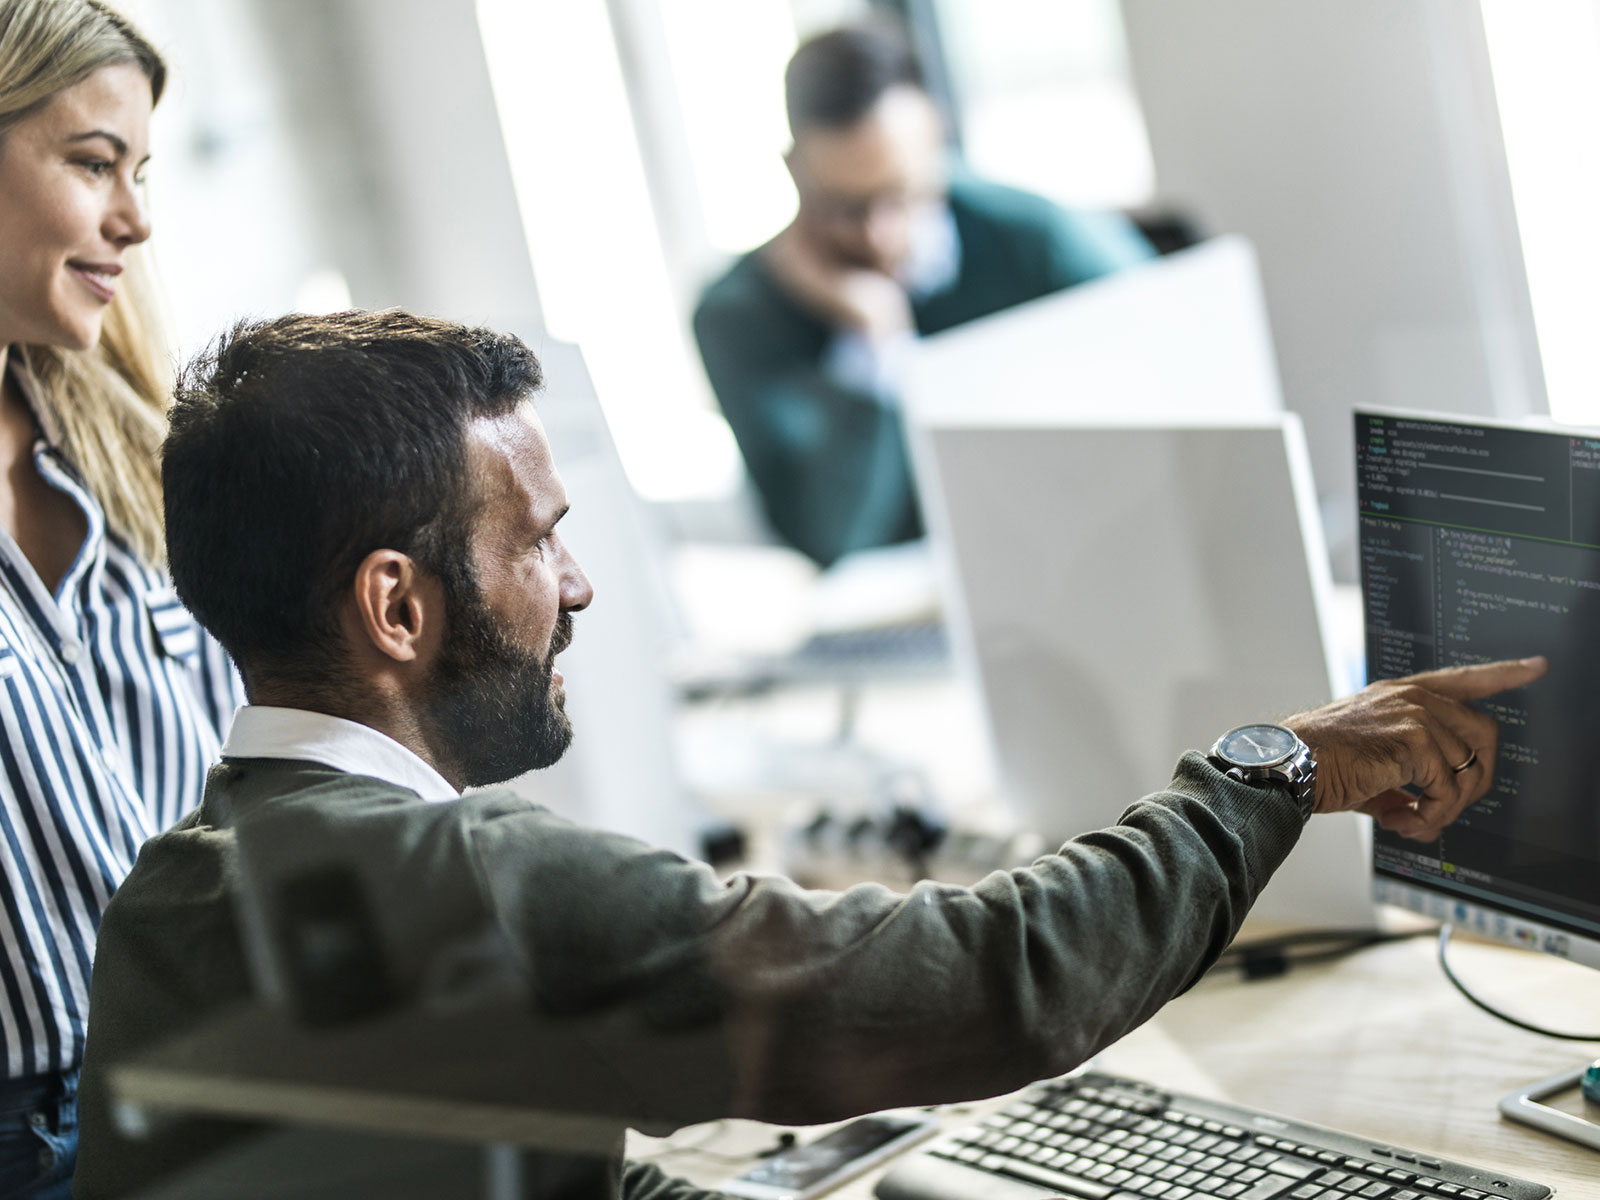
(1271, 957)
(1444, 965)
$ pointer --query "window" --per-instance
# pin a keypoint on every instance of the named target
(597, 254)
(1546, 63)
(1046, 99)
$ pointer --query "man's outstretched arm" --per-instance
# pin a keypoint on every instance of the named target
(831, 1004)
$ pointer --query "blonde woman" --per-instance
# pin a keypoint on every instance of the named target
(110, 698)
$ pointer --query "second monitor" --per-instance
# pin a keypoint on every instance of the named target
(1125, 592)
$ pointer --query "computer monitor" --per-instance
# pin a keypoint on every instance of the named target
(1480, 540)
(1176, 337)
(1123, 591)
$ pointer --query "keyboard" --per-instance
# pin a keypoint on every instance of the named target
(1098, 1137)
(923, 645)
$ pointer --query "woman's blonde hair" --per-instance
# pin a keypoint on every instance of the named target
(108, 404)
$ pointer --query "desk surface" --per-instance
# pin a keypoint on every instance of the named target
(1377, 1044)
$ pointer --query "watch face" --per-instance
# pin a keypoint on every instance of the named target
(1257, 745)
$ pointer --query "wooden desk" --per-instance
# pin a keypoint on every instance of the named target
(1377, 1044)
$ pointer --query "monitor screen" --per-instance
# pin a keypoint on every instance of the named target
(1481, 541)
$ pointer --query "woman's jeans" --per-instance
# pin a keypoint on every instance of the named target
(38, 1136)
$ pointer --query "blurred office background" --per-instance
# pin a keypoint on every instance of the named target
(1419, 179)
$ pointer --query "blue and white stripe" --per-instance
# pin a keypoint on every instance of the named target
(111, 698)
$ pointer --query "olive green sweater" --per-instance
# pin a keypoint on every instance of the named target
(819, 1005)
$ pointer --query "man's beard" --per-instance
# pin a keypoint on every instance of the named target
(489, 709)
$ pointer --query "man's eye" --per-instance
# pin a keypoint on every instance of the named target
(97, 166)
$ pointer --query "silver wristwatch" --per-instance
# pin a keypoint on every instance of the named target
(1265, 755)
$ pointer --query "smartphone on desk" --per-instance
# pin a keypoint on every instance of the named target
(801, 1172)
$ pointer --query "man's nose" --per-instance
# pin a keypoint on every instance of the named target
(576, 590)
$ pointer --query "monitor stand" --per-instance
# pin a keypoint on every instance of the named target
(1527, 1106)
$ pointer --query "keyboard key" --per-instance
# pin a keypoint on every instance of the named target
(1071, 1185)
(1269, 1187)
(1293, 1166)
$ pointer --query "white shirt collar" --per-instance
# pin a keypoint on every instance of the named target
(263, 731)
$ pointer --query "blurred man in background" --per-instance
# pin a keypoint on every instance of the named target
(804, 338)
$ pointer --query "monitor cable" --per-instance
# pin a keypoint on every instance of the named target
(1444, 965)
(1274, 956)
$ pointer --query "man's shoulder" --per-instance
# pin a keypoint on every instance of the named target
(1006, 225)
(997, 204)
(248, 785)
(744, 286)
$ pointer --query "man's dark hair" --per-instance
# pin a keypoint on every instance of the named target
(834, 79)
(300, 445)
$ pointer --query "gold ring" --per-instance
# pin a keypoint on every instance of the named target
(1471, 758)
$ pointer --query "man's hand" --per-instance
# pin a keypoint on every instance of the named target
(1416, 731)
(846, 296)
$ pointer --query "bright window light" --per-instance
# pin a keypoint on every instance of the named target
(1546, 63)
(592, 236)
(1047, 101)
(727, 61)
(325, 290)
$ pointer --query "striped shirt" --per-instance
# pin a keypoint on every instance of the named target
(111, 698)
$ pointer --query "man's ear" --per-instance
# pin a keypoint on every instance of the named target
(400, 607)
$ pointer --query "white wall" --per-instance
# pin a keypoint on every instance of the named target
(430, 141)
(311, 136)
(237, 229)
(1356, 143)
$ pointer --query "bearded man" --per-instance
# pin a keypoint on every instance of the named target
(363, 509)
